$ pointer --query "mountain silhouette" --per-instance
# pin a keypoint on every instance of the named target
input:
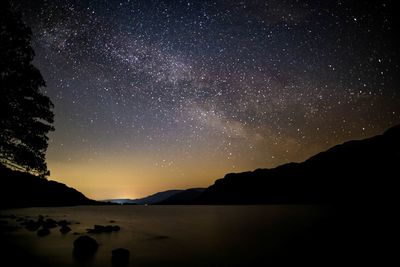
(184, 197)
(21, 189)
(151, 199)
(356, 171)
(175, 196)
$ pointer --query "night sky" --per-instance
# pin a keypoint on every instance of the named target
(157, 95)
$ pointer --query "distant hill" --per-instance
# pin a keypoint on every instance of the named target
(356, 171)
(19, 189)
(176, 196)
(184, 197)
(155, 198)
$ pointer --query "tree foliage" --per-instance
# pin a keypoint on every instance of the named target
(26, 115)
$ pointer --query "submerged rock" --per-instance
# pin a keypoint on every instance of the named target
(85, 247)
(116, 228)
(64, 229)
(43, 232)
(63, 223)
(49, 223)
(32, 225)
(108, 229)
(120, 256)
(98, 229)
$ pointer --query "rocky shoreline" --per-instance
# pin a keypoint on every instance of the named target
(84, 246)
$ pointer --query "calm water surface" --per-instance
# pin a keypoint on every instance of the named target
(170, 235)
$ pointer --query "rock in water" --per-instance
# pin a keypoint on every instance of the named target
(85, 247)
(49, 223)
(43, 232)
(116, 228)
(98, 229)
(32, 225)
(63, 223)
(40, 219)
(108, 229)
(120, 256)
(65, 229)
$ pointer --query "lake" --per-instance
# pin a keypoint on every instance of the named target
(180, 235)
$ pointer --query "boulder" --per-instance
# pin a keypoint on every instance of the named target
(85, 247)
(32, 225)
(64, 229)
(120, 256)
(49, 223)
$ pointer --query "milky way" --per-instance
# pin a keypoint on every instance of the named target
(158, 94)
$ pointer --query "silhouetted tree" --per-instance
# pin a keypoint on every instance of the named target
(26, 114)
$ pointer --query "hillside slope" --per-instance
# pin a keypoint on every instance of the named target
(356, 171)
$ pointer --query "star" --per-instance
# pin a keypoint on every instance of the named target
(207, 87)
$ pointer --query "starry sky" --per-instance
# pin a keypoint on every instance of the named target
(157, 95)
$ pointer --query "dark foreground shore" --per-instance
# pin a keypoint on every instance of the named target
(317, 236)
